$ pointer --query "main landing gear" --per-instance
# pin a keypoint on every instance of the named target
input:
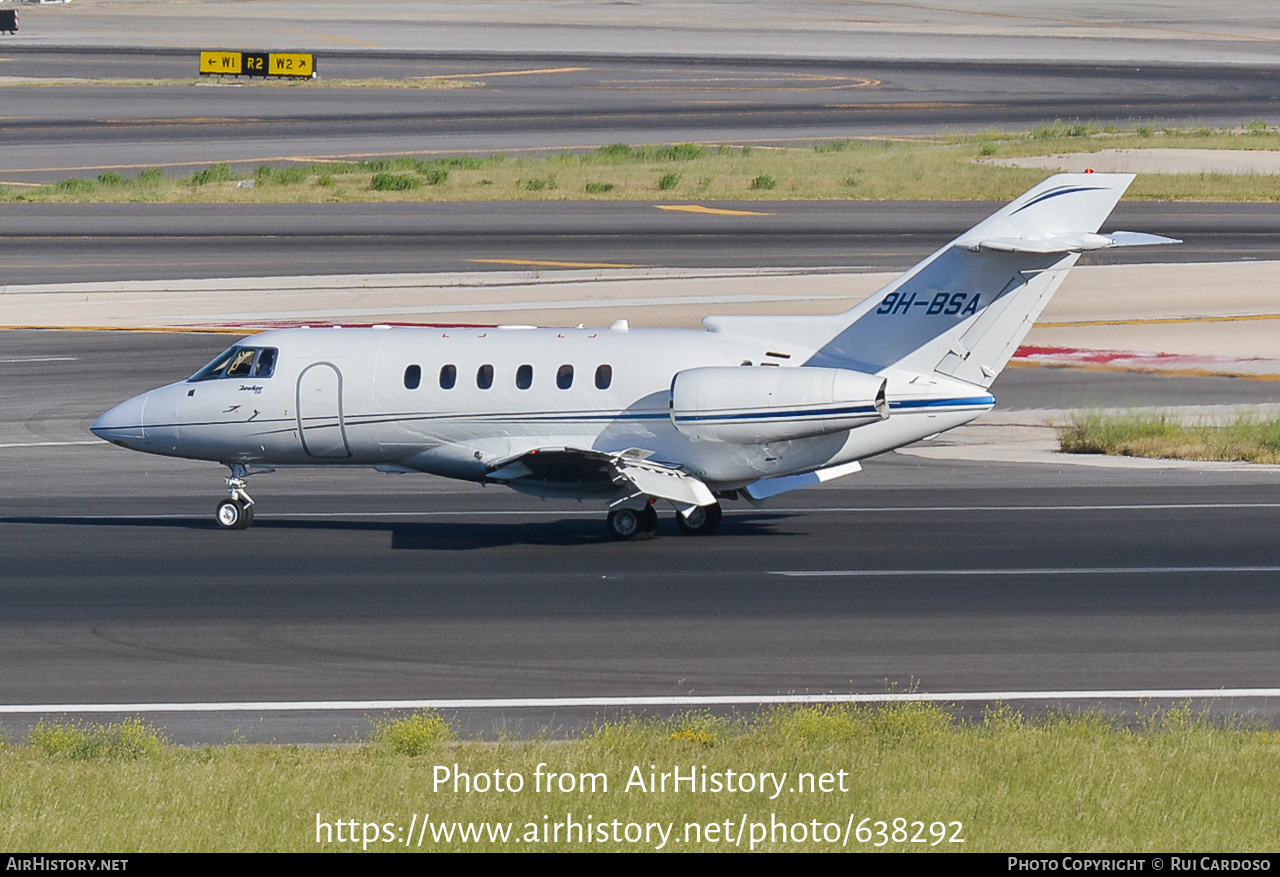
(702, 521)
(236, 513)
(629, 523)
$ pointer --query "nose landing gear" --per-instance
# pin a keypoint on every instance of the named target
(236, 513)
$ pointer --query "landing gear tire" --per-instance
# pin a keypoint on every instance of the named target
(233, 514)
(702, 521)
(624, 524)
(649, 521)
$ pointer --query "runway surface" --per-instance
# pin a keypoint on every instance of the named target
(53, 243)
(939, 576)
(118, 587)
(562, 101)
(1138, 31)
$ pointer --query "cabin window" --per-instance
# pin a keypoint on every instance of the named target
(412, 377)
(484, 377)
(524, 377)
(448, 377)
(564, 377)
(604, 377)
(239, 362)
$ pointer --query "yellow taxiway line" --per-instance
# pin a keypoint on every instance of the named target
(508, 73)
(542, 263)
(718, 211)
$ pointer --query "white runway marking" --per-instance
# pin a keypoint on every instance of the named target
(49, 444)
(673, 701)
(859, 510)
(1038, 508)
(591, 513)
(1026, 571)
(40, 359)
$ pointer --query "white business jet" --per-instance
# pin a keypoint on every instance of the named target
(748, 409)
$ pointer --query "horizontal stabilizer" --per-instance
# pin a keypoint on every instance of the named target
(1072, 243)
(1139, 239)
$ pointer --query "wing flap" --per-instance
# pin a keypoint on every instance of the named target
(581, 470)
(664, 483)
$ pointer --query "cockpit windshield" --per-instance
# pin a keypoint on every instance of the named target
(239, 362)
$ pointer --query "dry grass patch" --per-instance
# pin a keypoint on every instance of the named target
(944, 168)
(1246, 438)
(1165, 780)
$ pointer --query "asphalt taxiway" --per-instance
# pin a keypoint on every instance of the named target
(945, 576)
(67, 113)
(930, 574)
(56, 243)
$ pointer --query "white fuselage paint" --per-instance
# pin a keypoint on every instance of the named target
(339, 397)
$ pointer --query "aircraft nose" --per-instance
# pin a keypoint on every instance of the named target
(124, 425)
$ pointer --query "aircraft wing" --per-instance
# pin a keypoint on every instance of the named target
(588, 471)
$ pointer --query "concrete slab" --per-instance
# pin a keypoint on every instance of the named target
(1222, 317)
(1152, 161)
(1145, 31)
(659, 297)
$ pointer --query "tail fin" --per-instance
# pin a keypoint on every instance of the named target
(964, 310)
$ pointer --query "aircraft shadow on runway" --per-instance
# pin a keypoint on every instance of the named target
(567, 532)
(436, 536)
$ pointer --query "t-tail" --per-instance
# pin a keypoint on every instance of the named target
(963, 311)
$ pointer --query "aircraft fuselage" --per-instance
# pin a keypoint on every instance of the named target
(456, 401)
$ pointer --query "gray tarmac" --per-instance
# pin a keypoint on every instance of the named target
(943, 575)
(58, 243)
(552, 102)
(119, 588)
(1135, 31)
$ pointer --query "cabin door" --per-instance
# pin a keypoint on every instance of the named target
(320, 424)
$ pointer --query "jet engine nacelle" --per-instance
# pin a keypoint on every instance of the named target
(747, 405)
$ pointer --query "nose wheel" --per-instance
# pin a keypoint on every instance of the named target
(236, 512)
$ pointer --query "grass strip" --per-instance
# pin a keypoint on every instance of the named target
(1168, 780)
(1244, 438)
(942, 168)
